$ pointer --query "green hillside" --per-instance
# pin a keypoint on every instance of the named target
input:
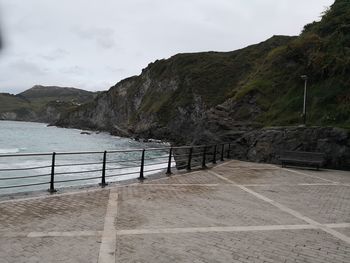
(269, 74)
(212, 76)
(42, 103)
(9, 102)
(44, 94)
(322, 52)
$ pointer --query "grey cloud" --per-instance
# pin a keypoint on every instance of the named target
(27, 67)
(104, 37)
(74, 70)
(115, 70)
(55, 54)
(94, 44)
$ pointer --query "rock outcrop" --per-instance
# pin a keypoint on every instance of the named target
(264, 145)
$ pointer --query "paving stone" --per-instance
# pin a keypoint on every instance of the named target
(76, 212)
(345, 231)
(200, 177)
(333, 175)
(270, 246)
(325, 204)
(49, 249)
(194, 206)
(267, 175)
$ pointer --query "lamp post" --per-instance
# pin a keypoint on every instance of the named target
(304, 77)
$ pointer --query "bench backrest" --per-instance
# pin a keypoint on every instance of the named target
(307, 156)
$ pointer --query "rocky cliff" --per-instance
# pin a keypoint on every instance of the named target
(185, 98)
(231, 96)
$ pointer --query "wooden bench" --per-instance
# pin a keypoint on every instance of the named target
(296, 158)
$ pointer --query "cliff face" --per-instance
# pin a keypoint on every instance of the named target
(230, 96)
(185, 97)
(193, 98)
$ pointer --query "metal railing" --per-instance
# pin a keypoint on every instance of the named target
(71, 168)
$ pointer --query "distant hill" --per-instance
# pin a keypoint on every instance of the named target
(216, 95)
(42, 103)
(10, 102)
(51, 93)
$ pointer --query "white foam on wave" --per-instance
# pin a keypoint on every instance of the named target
(10, 150)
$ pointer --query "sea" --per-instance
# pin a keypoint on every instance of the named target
(34, 171)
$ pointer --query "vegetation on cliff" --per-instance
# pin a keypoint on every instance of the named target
(189, 95)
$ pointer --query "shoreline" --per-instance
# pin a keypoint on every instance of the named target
(119, 134)
(87, 131)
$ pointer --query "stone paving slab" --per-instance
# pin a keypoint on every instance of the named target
(325, 204)
(194, 206)
(265, 246)
(49, 249)
(250, 165)
(264, 176)
(332, 175)
(84, 211)
(193, 178)
(345, 231)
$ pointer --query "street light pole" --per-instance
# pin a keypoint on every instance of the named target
(304, 77)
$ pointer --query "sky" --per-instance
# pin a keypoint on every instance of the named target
(93, 44)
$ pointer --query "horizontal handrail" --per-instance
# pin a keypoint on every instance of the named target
(25, 168)
(23, 185)
(23, 177)
(79, 172)
(121, 174)
(150, 164)
(76, 164)
(101, 152)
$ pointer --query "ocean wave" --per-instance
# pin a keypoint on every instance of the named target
(10, 150)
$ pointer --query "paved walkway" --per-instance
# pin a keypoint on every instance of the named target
(234, 212)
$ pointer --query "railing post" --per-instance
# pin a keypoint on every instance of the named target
(103, 179)
(52, 179)
(204, 157)
(141, 178)
(214, 154)
(229, 151)
(189, 159)
(168, 172)
(222, 152)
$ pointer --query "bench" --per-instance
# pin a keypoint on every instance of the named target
(310, 159)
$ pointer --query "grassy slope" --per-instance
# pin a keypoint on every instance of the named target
(322, 52)
(271, 72)
(212, 76)
(41, 95)
(38, 97)
(10, 102)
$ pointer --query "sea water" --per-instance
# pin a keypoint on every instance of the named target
(28, 137)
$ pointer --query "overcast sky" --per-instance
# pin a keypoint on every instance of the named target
(92, 44)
